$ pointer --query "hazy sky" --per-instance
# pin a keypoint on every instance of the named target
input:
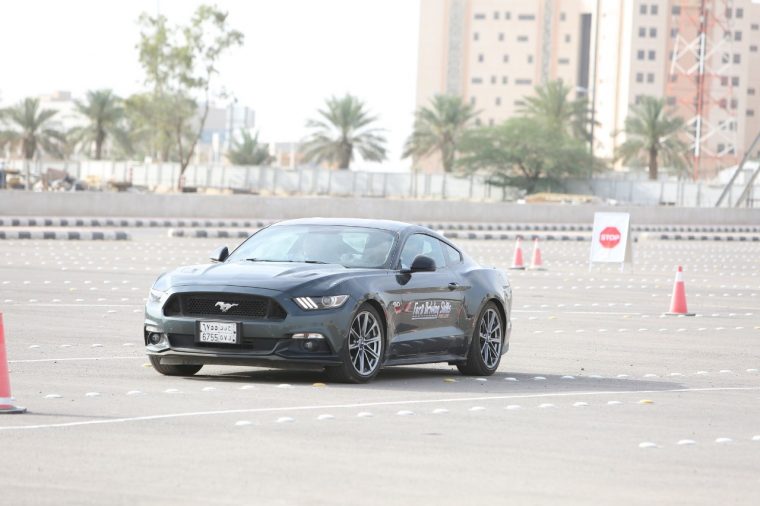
(296, 53)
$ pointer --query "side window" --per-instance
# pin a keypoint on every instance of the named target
(452, 255)
(421, 244)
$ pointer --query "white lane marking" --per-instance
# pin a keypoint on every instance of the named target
(371, 404)
(27, 361)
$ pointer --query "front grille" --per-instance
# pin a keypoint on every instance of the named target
(249, 307)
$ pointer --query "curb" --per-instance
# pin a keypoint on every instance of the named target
(72, 235)
(587, 228)
(196, 233)
(130, 222)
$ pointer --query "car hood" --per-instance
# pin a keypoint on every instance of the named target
(280, 276)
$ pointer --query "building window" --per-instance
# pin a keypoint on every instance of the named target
(734, 103)
(476, 80)
(725, 58)
(522, 38)
(478, 122)
(638, 99)
(722, 103)
(750, 112)
(754, 26)
(496, 15)
(524, 81)
(737, 35)
(639, 77)
(526, 17)
(493, 79)
(640, 54)
(651, 54)
(506, 58)
(724, 81)
(480, 16)
(676, 10)
(507, 15)
(472, 100)
(643, 9)
(475, 36)
(728, 12)
(567, 37)
(519, 103)
(734, 81)
(501, 37)
(721, 148)
(498, 101)
(739, 12)
(750, 91)
(671, 100)
(504, 80)
(642, 31)
(737, 58)
(562, 16)
(673, 32)
(653, 32)
(480, 58)
(753, 49)
(654, 10)
(564, 61)
(650, 77)
(530, 58)
(490, 121)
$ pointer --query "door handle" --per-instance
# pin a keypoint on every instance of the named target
(453, 286)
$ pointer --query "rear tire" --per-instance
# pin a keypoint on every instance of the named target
(487, 342)
(363, 351)
(173, 370)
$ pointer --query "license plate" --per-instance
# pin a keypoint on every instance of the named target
(218, 332)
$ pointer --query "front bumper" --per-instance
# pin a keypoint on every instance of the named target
(262, 342)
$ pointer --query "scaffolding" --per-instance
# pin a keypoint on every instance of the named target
(701, 81)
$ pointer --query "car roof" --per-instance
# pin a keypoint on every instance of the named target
(394, 226)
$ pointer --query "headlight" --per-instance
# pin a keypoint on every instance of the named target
(326, 302)
(156, 296)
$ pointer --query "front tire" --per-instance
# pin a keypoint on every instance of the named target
(363, 351)
(173, 370)
(487, 342)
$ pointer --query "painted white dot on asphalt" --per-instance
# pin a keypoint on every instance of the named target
(477, 408)
(481, 379)
(539, 378)
(92, 394)
(674, 374)
(134, 392)
(725, 371)
(622, 376)
(580, 404)
(546, 405)
(34, 346)
(595, 376)
(284, 385)
(614, 403)
(724, 440)
(52, 396)
(96, 345)
(650, 375)
(702, 373)
(756, 438)
(171, 391)
(208, 389)
(684, 442)
(752, 370)
(364, 414)
(242, 423)
(648, 444)
(285, 419)
(404, 412)
(568, 377)
(247, 387)
(325, 417)
(65, 346)
(510, 378)
(513, 407)
(440, 411)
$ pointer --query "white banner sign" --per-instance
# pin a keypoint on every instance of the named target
(610, 238)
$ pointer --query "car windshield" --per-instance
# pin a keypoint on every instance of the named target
(331, 244)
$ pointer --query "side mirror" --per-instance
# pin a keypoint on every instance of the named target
(421, 263)
(220, 254)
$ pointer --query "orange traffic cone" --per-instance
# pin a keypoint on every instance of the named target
(517, 261)
(678, 300)
(536, 263)
(6, 401)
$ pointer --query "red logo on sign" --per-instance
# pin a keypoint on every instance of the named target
(610, 237)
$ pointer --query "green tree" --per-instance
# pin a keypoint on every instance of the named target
(180, 63)
(247, 150)
(105, 118)
(652, 136)
(30, 132)
(344, 128)
(553, 106)
(524, 152)
(439, 128)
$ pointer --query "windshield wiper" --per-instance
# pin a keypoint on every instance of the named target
(286, 261)
(315, 262)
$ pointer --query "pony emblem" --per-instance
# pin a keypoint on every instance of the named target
(224, 306)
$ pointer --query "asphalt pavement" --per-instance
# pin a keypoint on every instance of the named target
(601, 399)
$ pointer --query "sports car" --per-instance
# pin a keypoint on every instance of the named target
(348, 295)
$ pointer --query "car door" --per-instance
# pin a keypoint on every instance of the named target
(427, 305)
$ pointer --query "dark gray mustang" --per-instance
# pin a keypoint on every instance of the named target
(347, 295)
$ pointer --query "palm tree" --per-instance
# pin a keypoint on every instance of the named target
(247, 150)
(343, 127)
(105, 114)
(652, 135)
(552, 105)
(439, 128)
(30, 130)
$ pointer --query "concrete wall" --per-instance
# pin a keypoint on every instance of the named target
(108, 204)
